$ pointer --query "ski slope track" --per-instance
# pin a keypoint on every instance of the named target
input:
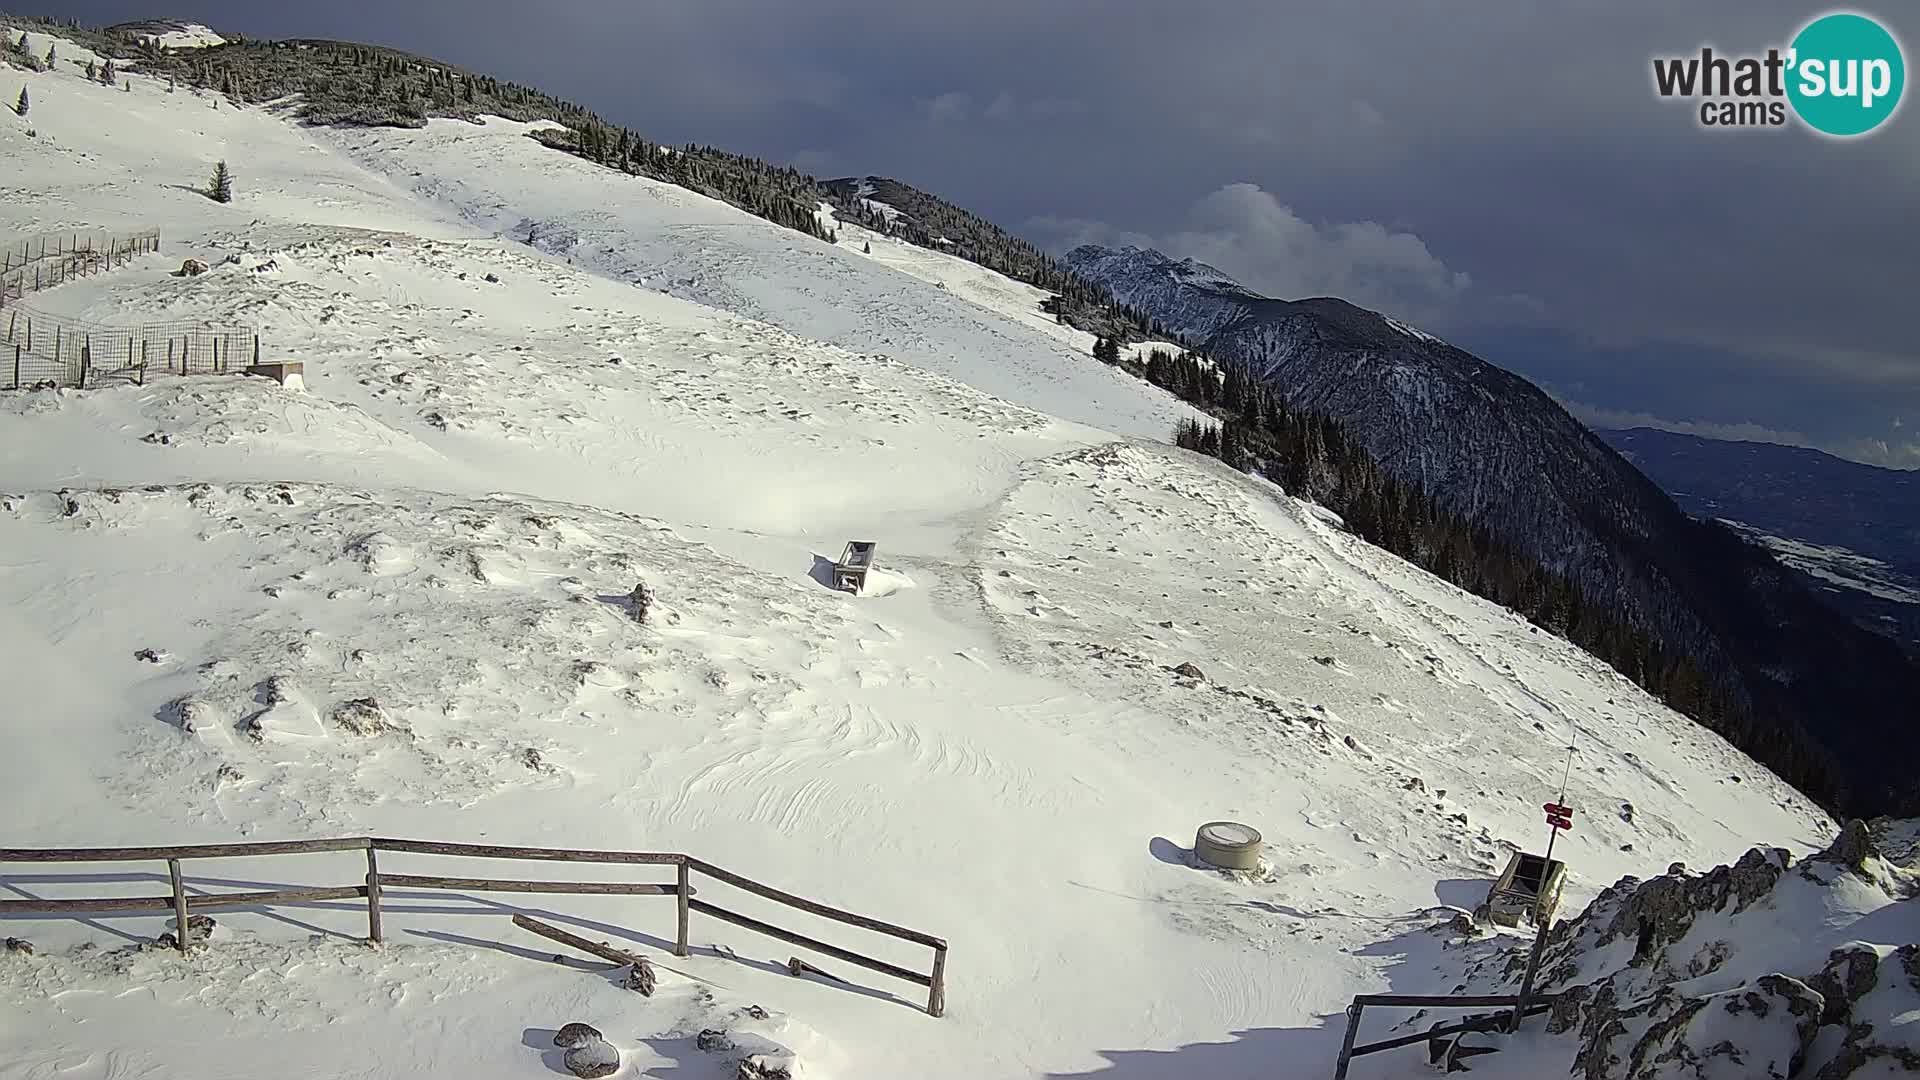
(498, 440)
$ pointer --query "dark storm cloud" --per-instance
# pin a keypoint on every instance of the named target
(1499, 171)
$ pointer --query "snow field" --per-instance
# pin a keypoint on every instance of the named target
(397, 604)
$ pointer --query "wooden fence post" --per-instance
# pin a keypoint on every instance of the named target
(686, 891)
(170, 356)
(256, 350)
(937, 994)
(179, 906)
(86, 359)
(16, 367)
(373, 897)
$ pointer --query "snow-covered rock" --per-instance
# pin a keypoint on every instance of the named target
(1758, 969)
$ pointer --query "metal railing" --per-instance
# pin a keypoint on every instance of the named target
(1348, 1051)
(685, 866)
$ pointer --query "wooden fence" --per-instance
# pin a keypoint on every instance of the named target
(370, 889)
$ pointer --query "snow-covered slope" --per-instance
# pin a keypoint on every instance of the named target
(667, 238)
(200, 578)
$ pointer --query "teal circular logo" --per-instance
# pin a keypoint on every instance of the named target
(1845, 74)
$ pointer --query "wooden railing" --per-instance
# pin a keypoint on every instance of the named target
(681, 888)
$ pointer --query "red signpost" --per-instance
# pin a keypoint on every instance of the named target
(1559, 816)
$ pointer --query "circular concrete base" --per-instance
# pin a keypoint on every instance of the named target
(1228, 845)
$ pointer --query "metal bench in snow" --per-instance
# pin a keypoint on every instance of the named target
(850, 573)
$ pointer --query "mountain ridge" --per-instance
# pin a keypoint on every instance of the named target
(1495, 448)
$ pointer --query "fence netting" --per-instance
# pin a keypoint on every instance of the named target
(41, 262)
(51, 350)
(40, 349)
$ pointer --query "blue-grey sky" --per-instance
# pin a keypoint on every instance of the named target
(1498, 172)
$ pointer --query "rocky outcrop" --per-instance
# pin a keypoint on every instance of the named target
(1664, 979)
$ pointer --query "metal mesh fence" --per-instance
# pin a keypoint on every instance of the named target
(40, 349)
(41, 262)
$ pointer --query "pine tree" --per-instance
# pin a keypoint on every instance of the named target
(221, 189)
(107, 73)
(20, 106)
(53, 54)
(92, 71)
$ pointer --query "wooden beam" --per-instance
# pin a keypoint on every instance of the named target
(179, 904)
(819, 909)
(182, 851)
(642, 978)
(164, 903)
(685, 890)
(373, 897)
(805, 942)
(495, 851)
(589, 888)
(937, 993)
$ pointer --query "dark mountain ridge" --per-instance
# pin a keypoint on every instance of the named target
(1809, 497)
(1495, 449)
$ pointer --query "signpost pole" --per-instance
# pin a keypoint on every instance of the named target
(1559, 816)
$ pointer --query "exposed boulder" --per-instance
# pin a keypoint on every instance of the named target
(199, 929)
(592, 1058)
(1852, 848)
(765, 1067)
(192, 268)
(1190, 670)
(640, 977)
(713, 1041)
(361, 716)
(575, 1034)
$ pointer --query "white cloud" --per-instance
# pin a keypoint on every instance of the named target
(1005, 106)
(950, 107)
(1250, 234)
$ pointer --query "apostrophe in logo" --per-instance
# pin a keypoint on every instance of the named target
(1843, 76)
